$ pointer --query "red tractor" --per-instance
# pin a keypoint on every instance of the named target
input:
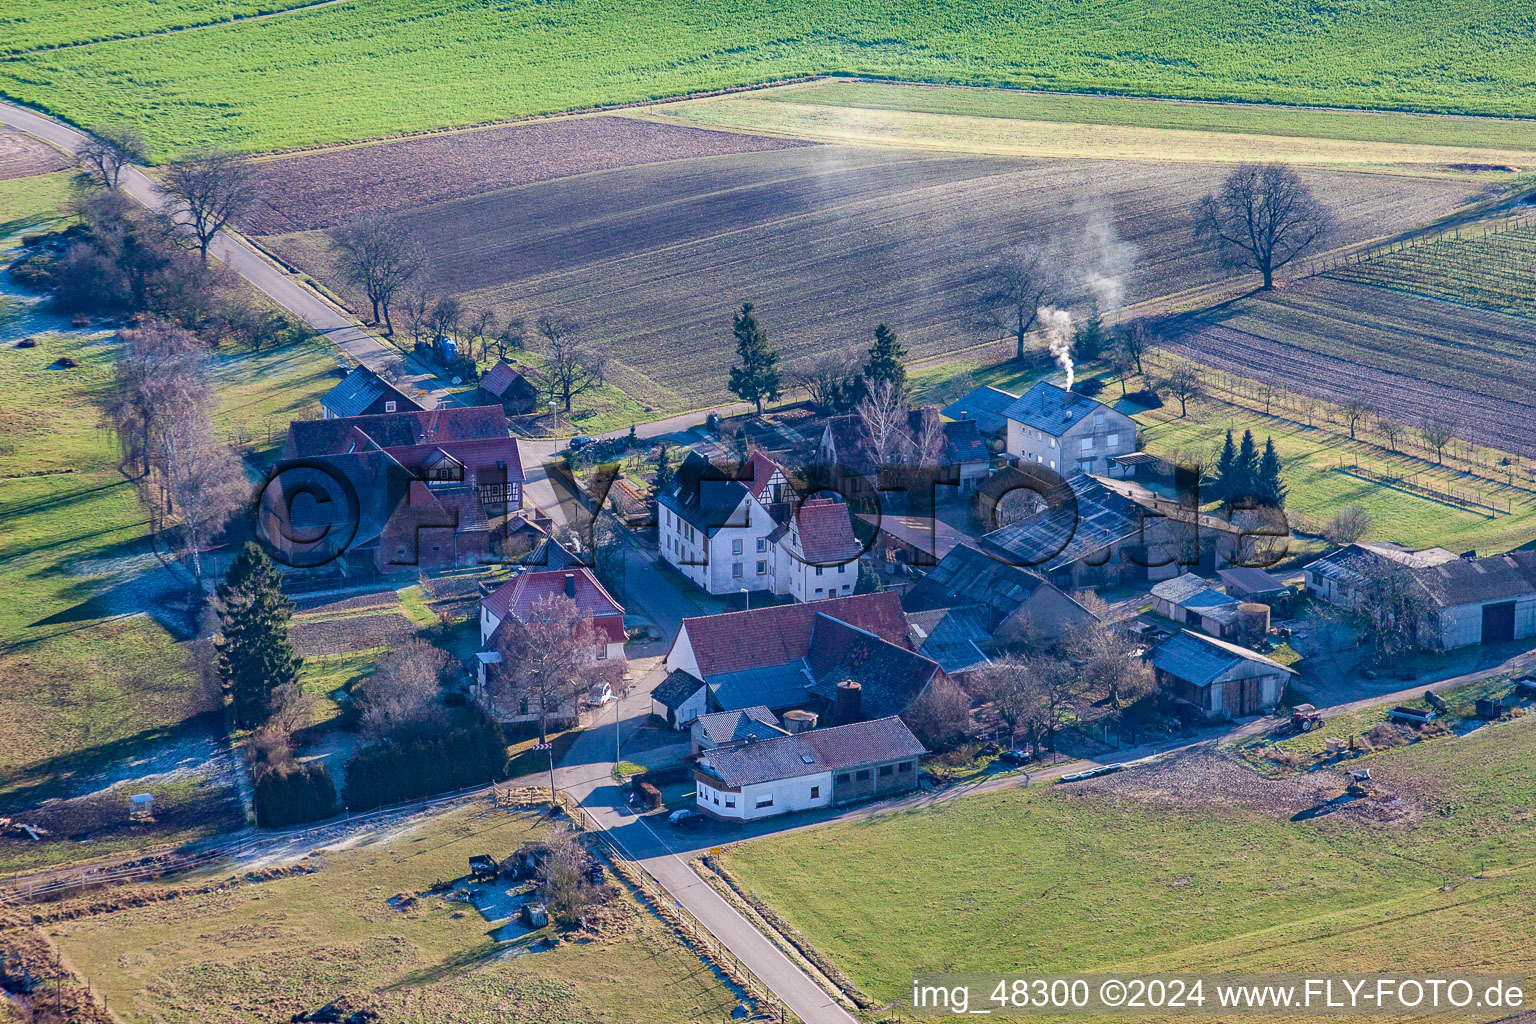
(1305, 718)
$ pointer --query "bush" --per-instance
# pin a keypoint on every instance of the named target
(470, 755)
(294, 794)
(1147, 399)
(1389, 734)
(1090, 387)
(649, 795)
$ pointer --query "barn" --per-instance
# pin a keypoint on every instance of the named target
(1218, 679)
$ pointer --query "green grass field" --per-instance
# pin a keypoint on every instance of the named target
(32, 202)
(258, 953)
(1120, 878)
(38, 24)
(85, 676)
(378, 67)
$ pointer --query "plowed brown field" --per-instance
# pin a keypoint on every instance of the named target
(828, 241)
(21, 155)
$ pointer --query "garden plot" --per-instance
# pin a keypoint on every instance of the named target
(356, 633)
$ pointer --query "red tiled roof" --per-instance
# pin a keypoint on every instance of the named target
(473, 454)
(499, 377)
(311, 438)
(763, 637)
(826, 532)
(517, 597)
(762, 470)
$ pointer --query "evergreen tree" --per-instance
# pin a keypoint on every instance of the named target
(885, 357)
(756, 375)
(255, 656)
(1270, 487)
(1245, 471)
(1223, 483)
(1089, 339)
(665, 471)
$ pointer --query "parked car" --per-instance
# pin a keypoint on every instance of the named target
(1014, 757)
(685, 818)
(581, 441)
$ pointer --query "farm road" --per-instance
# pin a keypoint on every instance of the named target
(267, 278)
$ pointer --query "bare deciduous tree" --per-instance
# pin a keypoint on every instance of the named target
(547, 662)
(1389, 429)
(111, 148)
(883, 415)
(1106, 661)
(830, 378)
(1016, 287)
(563, 883)
(214, 186)
(288, 710)
(1134, 341)
(417, 307)
(1184, 383)
(1263, 218)
(202, 480)
(1353, 412)
(571, 368)
(511, 336)
(1436, 434)
(401, 697)
(381, 257)
(477, 325)
(158, 367)
(930, 445)
(446, 315)
(1350, 524)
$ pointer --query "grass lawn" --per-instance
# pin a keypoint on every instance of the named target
(379, 67)
(323, 674)
(86, 677)
(261, 952)
(527, 761)
(1116, 878)
(33, 202)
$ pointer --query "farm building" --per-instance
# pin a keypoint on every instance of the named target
(734, 728)
(984, 407)
(1014, 603)
(1218, 679)
(1477, 600)
(509, 387)
(406, 492)
(801, 656)
(820, 768)
(516, 600)
(1249, 584)
(844, 447)
(1192, 601)
(364, 393)
(1067, 432)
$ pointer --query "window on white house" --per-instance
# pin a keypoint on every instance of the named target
(736, 547)
(843, 567)
(1087, 444)
(762, 568)
(818, 570)
(1053, 442)
(764, 801)
(1112, 440)
(1098, 419)
(815, 792)
(818, 590)
(602, 652)
(736, 570)
(730, 801)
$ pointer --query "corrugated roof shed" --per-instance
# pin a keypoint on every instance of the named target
(1201, 660)
(673, 691)
(951, 636)
(891, 677)
(774, 686)
(966, 576)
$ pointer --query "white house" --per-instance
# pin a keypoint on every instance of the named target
(820, 768)
(715, 529)
(1067, 432)
(814, 552)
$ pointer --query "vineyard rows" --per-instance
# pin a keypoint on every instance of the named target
(1491, 269)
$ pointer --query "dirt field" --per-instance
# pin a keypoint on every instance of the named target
(1409, 357)
(22, 155)
(827, 241)
(316, 190)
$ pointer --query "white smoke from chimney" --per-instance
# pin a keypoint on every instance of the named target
(1058, 332)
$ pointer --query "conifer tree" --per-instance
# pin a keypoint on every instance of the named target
(1223, 485)
(885, 357)
(255, 656)
(665, 472)
(1270, 487)
(1089, 339)
(755, 376)
(1245, 471)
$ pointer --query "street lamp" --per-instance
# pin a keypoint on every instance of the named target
(554, 411)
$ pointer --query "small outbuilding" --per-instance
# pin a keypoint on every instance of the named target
(508, 386)
(1216, 678)
(1192, 601)
(1249, 584)
(141, 805)
(679, 699)
(734, 728)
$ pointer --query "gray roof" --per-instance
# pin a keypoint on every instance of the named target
(1180, 588)
(1196, 594)
(985, 406)
(1199, 659)
(749, 724)
(820, 750)
(1053, 410)
(1052, 539)
(1249, 580)
(773, 686)
(966, 576)
(359, 390)
(673, 691)
(951, 636)
(703, 495)
(1473, 580)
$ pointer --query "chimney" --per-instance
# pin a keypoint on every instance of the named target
(796, 722)
(570, 584)
(963, 414)
(849, 696)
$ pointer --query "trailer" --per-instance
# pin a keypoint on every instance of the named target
(483, 868)
(1411, 716)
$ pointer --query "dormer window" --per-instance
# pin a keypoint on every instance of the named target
(390, 406)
